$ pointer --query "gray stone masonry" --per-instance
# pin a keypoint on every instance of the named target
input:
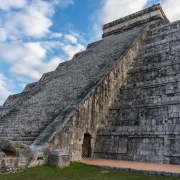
(33, 110)
(152, 14)
(123, 91)
(43, 109)
(59, 158)
(144, 123)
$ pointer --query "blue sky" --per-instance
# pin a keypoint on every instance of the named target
(37, 35)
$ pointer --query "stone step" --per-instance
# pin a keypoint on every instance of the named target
(151, 91)
(27, 93)
(61, 65)
(77, 55)
(165, 53)
(164, 49)
(154, 59)
(144, 96)
(19, 138)
(168, 69)
(154, 66)
(92, 45)
(148, 106)
(155, 78)
(151, 100)
(161, 44)
(11, 100)
(24, 142)
(160, 37)
(46, 76)
(29, 87)
(164, 28)
(159, 24)
(135, 131)
(149, 86)
(23, 134)
(4, 132)
(16, 124)
(9, 128)
(11, 124)
(153, 82)
(17, 131)
(143, 79)
(19, 135)
(4, 110)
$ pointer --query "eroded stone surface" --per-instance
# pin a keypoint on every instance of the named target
(15, 155)
(59, 158)
(144, 122)
(125, 87)
(59, 93)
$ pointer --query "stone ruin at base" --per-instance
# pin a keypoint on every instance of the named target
(118, 99)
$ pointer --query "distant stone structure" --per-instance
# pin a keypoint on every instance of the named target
(118, 99)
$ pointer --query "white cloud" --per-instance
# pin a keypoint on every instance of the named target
(50, 45)
(23, 85)
(25, 73)
(32, 21)
(72, 39)
(56, 35)
(4, 88)
(70, 50)
(7, 4)
(27, 60)
(27, 45)
(64, 3)
(3, 35)
(16, 51)
(51, 65)
(171, 8)
(114, 9)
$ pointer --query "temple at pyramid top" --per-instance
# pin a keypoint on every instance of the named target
(154, 13)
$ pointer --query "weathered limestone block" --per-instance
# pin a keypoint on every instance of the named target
(147, 110)
(8, 163)
(59, 158)
(29, 87)
(17, 154)
(152, 14)
(91, 114)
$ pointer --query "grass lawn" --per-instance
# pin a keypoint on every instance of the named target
(78, 171)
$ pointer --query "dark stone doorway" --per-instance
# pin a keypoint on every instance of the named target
(86, 146)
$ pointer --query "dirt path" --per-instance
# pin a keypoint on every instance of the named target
(133, 165)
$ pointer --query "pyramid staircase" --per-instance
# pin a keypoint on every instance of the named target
(144, 123)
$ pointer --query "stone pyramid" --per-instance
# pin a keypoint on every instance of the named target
(118, 99)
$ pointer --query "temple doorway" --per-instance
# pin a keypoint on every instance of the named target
(86, 146)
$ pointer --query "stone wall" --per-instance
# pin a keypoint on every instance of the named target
(152, 14)
(60, 91)
(123, 91)
(92, 112)
(144, 124)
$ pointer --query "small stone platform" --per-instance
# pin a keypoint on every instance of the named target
(149, 168)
